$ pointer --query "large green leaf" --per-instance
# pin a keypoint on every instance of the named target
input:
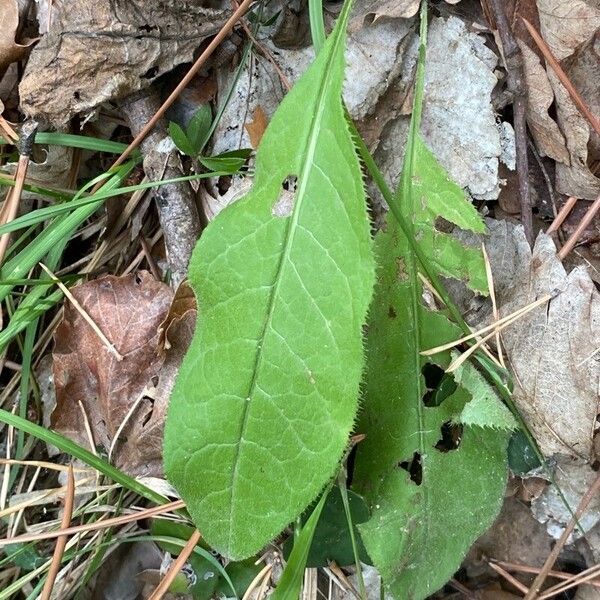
(267, 394)
(434, 473)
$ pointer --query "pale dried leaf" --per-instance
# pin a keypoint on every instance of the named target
(583, 72)
(548, 137)
(129, 311)
(567, 24)
(213, 202)
(574, 477)
(78, 64)
(462, 132)
(372, 10)
(556, 383)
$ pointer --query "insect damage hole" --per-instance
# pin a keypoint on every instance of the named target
(284, 205)
(451, 437)
(413, 467)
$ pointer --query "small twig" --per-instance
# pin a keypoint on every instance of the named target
(509, 577)
(61, 542)
(82, 312)
(572, 581)
(563, 213)
(575, 96)
(163, 586)
(147, 250)
(175, 202)
(97, 525)
(13, 197)
(539, 580)
(509, 566)
(494, 326)
(585, 221)
(515, 82)
(495, 313)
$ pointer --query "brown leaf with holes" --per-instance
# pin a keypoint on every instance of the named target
(130, 311)
(107, 49)
(10, 51)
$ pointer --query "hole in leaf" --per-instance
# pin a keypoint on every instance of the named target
(413, 467)
(284, 205)
(451, 437)
(391, 312)
(433, 376)
(438, 388)
(148, 414)
(290, 183)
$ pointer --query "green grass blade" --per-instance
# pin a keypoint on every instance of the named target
(43, 214)
(291, 581)
(66, 445)
(59, 230)
(83, 142)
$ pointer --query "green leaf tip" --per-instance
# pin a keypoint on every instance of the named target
(267, 394)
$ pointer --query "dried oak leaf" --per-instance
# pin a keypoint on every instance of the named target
(130, 311)
(108, 49)
(10, 51)
(550, 350)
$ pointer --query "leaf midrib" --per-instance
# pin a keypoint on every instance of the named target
(310, 149)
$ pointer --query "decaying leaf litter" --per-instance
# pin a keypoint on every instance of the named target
(80, 71)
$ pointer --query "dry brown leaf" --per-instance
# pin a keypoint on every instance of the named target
(575, 178)
(462, 133)
(556, 381)
(107, 49)
(129, 311)
(256, 128)
(10, 51)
